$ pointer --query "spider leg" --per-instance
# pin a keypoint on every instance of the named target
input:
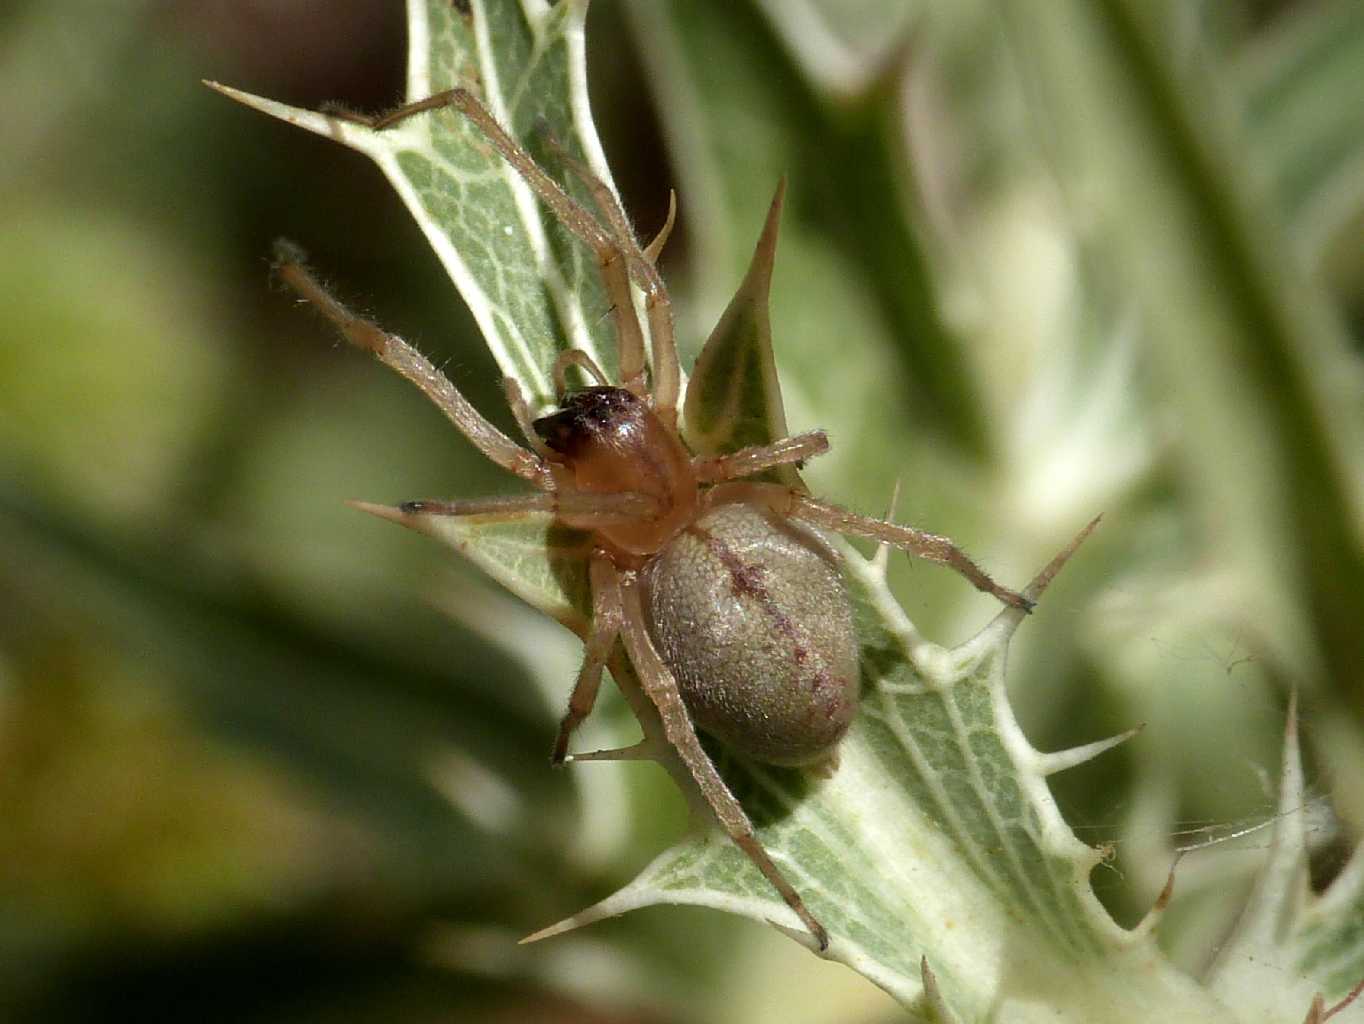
(606, 621)
(575, 357)
(931, 546)
(290, 268)
(602, 195)
(713, 469)
(403, 113)
(520, 410)
(657, 305)
(611, 257)
(660, 686)
(608, 509)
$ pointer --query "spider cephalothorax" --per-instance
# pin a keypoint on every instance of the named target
(605, 440)
(745, 609)
(727, 600)
(594, 417)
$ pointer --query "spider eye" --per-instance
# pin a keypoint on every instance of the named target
(560, 430)
(586, 414)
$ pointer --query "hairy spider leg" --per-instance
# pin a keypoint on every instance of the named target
(657, 304)
(520, 410)
(575, 357)
(602, 196)
(290, 267)
(607, 509)
(613, 260)
(606, 624)
(714, 469)
(661, 688)
(932, 547)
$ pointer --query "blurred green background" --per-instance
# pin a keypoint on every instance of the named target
(262, 758)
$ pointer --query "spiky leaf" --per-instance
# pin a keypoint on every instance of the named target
(531, 286)
(1290, 946)
(734, 398)
(935, 853)
(537, 559)
(935, 840)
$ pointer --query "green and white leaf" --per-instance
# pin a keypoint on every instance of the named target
(537, 559)
(533, 290)
(532, 287)
(1293, 81)
(842, 44)
(935, 854)
(936, 840)
(734, 398)
(1289, 945)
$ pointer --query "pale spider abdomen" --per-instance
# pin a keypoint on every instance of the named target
(750, 615)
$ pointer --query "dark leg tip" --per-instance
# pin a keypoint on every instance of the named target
(1016, 600)
(558, 758)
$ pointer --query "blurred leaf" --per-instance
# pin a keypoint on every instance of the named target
(103, 406)
(1304, 116)
(37, 36)
(1247, 352)
(842, 45)
(361, 723)
(180, 837)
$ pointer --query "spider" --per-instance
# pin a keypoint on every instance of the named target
(726, 598)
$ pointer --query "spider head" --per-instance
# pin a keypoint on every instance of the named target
(590, 418)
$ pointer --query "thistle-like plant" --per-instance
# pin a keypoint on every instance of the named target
(936, 854)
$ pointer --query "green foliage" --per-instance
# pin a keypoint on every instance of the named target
(1037, 261)
(936, 846)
